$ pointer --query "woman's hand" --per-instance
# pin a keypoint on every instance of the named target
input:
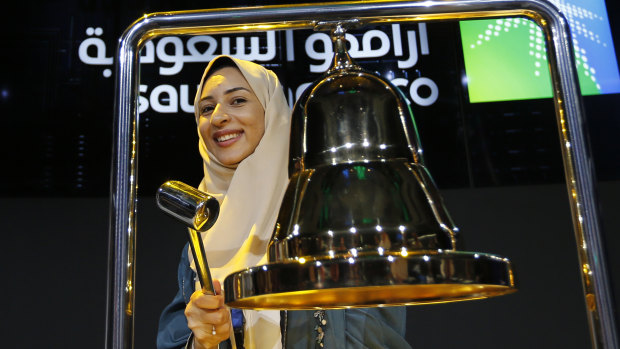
(206, 312)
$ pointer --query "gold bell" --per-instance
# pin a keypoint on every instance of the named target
(362, 223)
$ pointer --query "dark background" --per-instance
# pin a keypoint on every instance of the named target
(498, 166)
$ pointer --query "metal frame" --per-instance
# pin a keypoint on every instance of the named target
(569, 112)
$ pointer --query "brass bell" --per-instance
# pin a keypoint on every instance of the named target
(362, 222)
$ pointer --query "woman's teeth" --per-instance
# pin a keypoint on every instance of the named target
(228, 136)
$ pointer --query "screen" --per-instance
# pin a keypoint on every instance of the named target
(505, 59)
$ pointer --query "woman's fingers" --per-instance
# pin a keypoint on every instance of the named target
(208, 318)
(217, 286)
(206, 301)
(210, 327)
(213, 317)
(206, 337)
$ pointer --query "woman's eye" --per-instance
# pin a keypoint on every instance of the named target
(238, 100)
(206, 109)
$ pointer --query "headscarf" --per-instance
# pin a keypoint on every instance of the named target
(249, 195)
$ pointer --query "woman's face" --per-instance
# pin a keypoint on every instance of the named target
(232, 120)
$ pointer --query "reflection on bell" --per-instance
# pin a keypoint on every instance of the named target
(362, 222)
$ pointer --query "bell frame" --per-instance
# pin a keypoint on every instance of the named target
(570, 116)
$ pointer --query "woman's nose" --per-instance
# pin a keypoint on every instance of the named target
(219, 116)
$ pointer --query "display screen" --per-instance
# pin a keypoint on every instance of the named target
(506, 59)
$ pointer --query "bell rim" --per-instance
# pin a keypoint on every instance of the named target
(471, 276)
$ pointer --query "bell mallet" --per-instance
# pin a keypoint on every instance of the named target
(198, 211)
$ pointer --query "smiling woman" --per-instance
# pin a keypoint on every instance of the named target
(244, 128)
(232, 120)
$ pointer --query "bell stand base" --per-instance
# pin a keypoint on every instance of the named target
(371, 281)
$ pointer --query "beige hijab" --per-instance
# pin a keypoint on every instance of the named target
(249, 196)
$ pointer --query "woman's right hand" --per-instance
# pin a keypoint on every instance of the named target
(206, 312)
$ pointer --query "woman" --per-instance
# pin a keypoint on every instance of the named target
(243, 126)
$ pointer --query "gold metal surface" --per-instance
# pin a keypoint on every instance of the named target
(259, 26)
(200, 258)
(370, 296)
(371, 280)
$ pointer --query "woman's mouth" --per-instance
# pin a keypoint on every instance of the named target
(227, 138)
